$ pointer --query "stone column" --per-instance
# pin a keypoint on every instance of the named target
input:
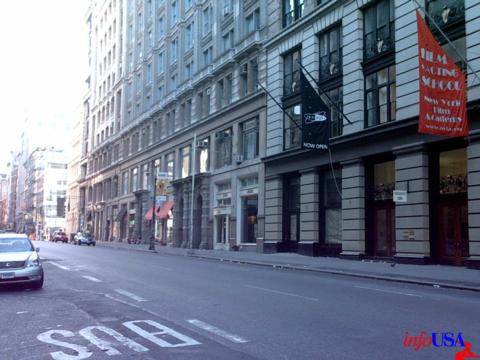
(273, 213)
(204, 190)
(309, 213)
(473, 156)
(353, 209)
(412, 220)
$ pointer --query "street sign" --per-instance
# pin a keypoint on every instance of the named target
(399, 196)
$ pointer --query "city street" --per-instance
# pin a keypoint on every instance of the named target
(102, 303)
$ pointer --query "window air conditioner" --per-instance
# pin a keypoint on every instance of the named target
(238, 159)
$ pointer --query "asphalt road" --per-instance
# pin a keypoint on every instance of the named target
(102, 303)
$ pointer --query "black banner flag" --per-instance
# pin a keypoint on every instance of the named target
(315, 118)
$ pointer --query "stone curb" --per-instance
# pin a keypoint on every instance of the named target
(405, 280)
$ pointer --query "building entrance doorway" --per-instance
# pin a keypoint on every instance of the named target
(450, 213)
(381, 210)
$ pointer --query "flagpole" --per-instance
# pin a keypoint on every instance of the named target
(279, 105)
(325, 94)
(446, 38)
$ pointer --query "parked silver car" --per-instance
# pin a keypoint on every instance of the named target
(83, 238)
(19, 261)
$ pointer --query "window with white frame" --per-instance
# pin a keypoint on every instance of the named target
(135, 179)
(145, 177)
(223, 145)
(189, 36)
(249, 140)
(185, 154)
(203, 151)
(160, 63)
(173, 50)
(207, 20)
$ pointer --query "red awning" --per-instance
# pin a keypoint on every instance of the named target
(164, 210)
(149, 213)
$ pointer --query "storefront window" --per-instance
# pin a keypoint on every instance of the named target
(250, 227)
(384, 180)
(333, 207)
(453, 171)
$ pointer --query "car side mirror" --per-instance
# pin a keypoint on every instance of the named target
(37, 249)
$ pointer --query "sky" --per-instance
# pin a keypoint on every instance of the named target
(43, 65)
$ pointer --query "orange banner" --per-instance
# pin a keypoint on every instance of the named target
(443, 97)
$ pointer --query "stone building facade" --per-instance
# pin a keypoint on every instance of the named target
(364, 55)
(173, 93)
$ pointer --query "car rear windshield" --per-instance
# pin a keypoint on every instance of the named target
(62, 233)
(15, 245)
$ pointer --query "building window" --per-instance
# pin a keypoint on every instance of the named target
(207, 21)
(244, 80)
(173, 50)
(148, 74)
(449, 15)
(292, 11)
(125, 183)
(291, 73)
(380, 96)
(332, 203)
(249, 140)
(227, 41)
(145, 176)
(188, 4)
(135, 179)
(291, 208)
(189, 37)
(207, 56)
(336, 118)
(185, 156)
(252, 21)
(170, 165)
(330, 53)
(139, 51)
(150, 40)
(292, 133)
(173, 82)
(227, 89)
(203, 151)
(223, 145)
(161, 63)
(160, 27)
(174, 13)
(379, 29)
(188, 70)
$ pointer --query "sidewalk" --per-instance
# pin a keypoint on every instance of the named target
(429, 275)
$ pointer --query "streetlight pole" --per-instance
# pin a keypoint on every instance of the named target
(154, 212)
(194, 158)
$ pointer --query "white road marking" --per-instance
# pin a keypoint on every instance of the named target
(130, 295)
(217, 331)
(389, 291)
(163, 330)
(91, 278)
(107, 346)
(59, 266)
(282, 293)
(21, 312)
(82, 351)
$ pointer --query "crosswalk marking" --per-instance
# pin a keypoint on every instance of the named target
(214, 330)
(130, 295)
(59, 266)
